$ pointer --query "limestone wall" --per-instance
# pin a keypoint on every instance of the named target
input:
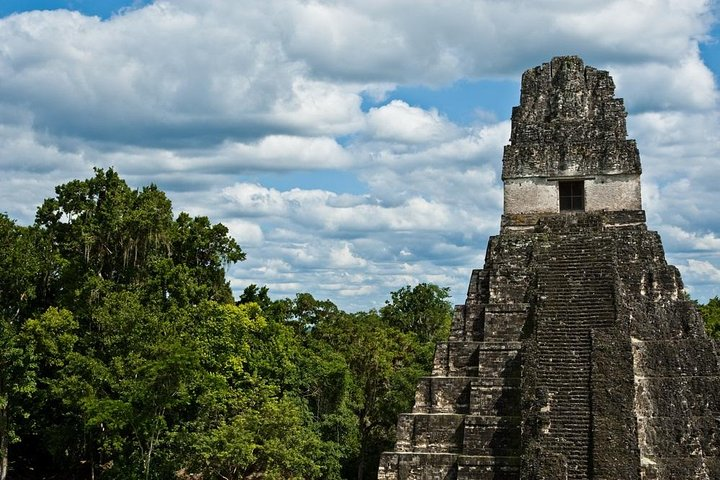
(602, 192)
(530, 195)
(613, 192)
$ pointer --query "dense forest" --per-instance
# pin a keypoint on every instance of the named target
(124, 354)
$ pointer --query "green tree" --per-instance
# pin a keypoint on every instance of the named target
(110, 235)
(22, 266)
(252, 418)
(158, 373)
(423, 309)
(711, 315)
(385, 365)
(135, 279)
(255, 294)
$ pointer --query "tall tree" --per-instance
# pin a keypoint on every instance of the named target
(134, 277)
(22, 268)
(423, 309)
(110, 235)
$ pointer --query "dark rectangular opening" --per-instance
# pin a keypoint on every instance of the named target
(572, 195)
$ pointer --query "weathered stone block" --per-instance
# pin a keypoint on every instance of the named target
(495, 397)
(443, 395)
(488, 468)
(456, 359)
(417, 466)
(492, 436)
(505, 322)
(499, 359)
(433, 433)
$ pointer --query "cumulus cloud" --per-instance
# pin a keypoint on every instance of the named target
(685, 85)
(189, 72)
(702, 277)
(223, 105)
(399, 122)
(343, 257)
(704, 269)
(247, 234)
(319, 209)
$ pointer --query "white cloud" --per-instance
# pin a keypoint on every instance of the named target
(247, 234)
(702, 273)
(684, 84)
(399, 122)
(318, 209)
(343, 257)
(705, 269)
(693, 240)
(222, 103)
(252, 199)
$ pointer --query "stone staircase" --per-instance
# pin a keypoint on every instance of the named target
(465, 423)
(576, 295)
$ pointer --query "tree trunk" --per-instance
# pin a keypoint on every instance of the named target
(4, 442)
(361, 462)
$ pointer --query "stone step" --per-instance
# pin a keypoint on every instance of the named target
(566, 403)
(443, 395)
(569, 444)
(579, 406)
(563, 315)
(411, 465)
(455, 433)
(491, 435)
(581, 347)
(550, 351)
(570, 326)
(578, 425)
(563, 337)
(549, 343)
(571, 431)
(576, 418)
(468, 395)
(556, 371)
(456, 358)
(583, 310)
(562, 398)
(573, 283)
(561, 381)
(565, 362)
(560, 371)
(579, 270)
(568, 305)
(467, 323)
(495, 400)
(430, 433)
(564, 349)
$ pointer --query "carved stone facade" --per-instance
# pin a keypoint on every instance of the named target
(575, 355)
(569, 126)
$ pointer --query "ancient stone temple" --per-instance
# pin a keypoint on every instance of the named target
(576, 354)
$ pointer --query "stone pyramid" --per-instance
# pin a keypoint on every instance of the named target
(576, 354)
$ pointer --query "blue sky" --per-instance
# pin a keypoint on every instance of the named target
(101, 8)
(352, 147)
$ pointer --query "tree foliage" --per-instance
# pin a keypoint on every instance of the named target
(711, 315)
(125, 355)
